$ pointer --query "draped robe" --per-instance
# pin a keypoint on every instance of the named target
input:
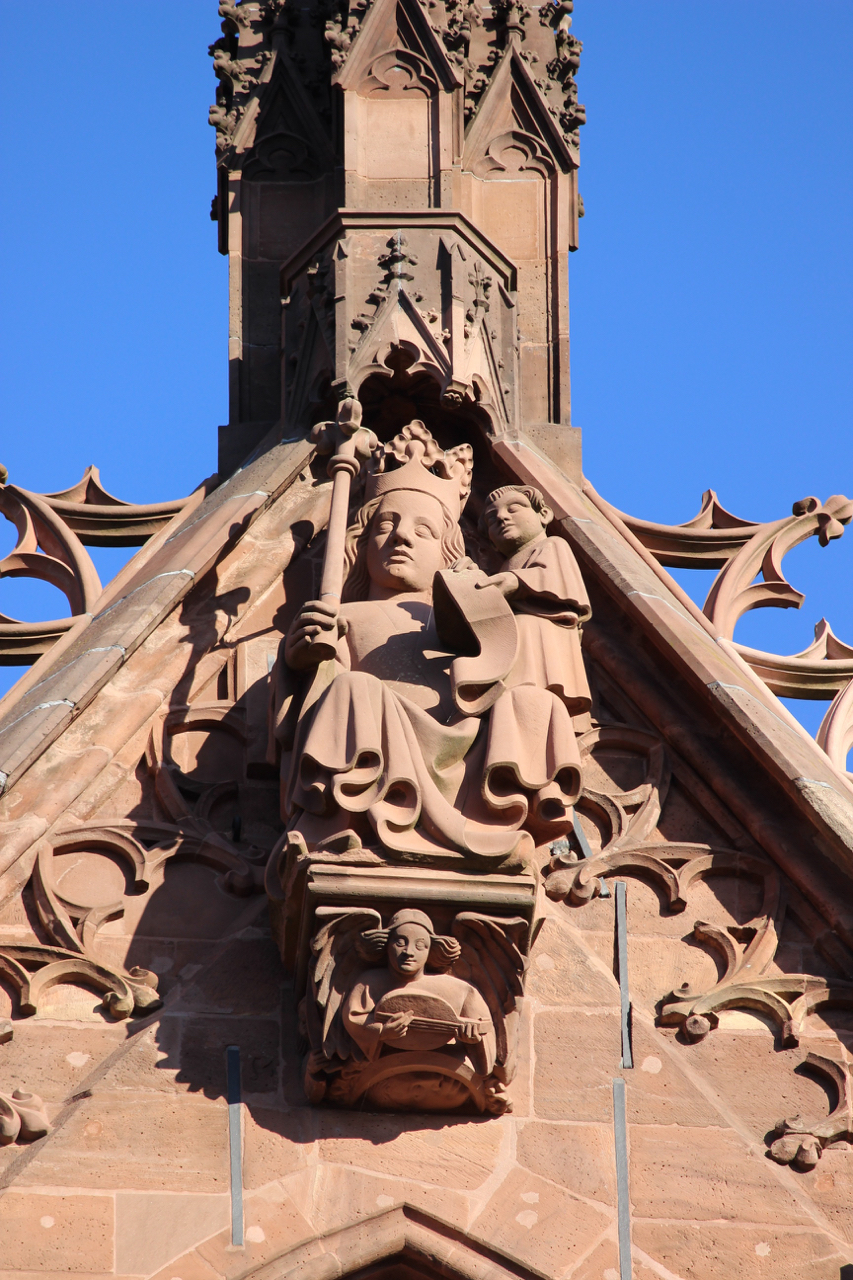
(384, 745)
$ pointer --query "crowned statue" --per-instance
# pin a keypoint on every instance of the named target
(424, 708)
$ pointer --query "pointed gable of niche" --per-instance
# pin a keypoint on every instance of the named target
(288, 143)
(404, 110)
(513, 128)
(397, 53)
(522, 180)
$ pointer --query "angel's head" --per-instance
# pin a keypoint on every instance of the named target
(409, 944)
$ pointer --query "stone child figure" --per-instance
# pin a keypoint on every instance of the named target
(541, 580)
(386, 752)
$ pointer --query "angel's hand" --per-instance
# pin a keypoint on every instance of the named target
(506, 583)
(464, 565)
(469, 1033)
(397, 1025)
(316, 627)
(315, 1062)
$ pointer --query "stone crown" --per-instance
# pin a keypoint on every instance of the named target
(414, 460)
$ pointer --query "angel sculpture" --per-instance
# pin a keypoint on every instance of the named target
(433, 723)
(405, 1019)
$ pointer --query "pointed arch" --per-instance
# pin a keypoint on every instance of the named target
(287, 143)
(400, 1244)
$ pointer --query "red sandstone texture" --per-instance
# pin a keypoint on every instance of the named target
(343, 768)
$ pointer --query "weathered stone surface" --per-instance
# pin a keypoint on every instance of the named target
(562, 972)
(153, 1228)
(659, 1090)
(152, 1059)
(189, 1266)
(275, 1143)
(537, 1224)
(457, 1153)
(578, 1156)
(165, 918)
(342, 1196)
(714, 1251)
(63, 1233)
(581, 1047)
(272, 1224)
(657, 966)
(246, 979)
(202, 1054)
(143, 1141)
(706, 1174)
(830, 1187)
(63, 1056)
(757, 1080)
(603, 1264)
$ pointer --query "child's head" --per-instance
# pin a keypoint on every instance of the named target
(513, 516)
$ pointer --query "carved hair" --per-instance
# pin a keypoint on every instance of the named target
(534, 496)
(357, 579)
(443, 952)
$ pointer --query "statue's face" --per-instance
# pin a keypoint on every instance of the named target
(512, 522)
(408, 949)
(404, 550)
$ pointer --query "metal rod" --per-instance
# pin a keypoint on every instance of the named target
(623, 1203)
(622, 961)
(580, 836)
(232, 1067)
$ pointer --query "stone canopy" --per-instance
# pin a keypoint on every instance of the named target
(322, 823)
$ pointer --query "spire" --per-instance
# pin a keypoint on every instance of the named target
(448, 130)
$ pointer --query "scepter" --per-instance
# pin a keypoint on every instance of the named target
(349, 443)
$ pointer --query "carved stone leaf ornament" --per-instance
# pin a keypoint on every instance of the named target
(749, 558)
(53, 532)
(72, 923)
(802, 1141)
(23, 1116)
(747, 952)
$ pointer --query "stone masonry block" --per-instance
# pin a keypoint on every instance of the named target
(578, 1156)
(715, 1251)
(538, 1225)
(448, 1153)
(70, 1234)
(706, 1174)
(141, 1142)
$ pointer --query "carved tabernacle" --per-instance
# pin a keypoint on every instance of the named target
(392, 842)
(428, 717)
(423, 719)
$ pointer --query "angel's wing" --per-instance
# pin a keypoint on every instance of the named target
(335, 961)
(492, 960)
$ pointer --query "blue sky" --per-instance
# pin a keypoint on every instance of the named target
(710, 299)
